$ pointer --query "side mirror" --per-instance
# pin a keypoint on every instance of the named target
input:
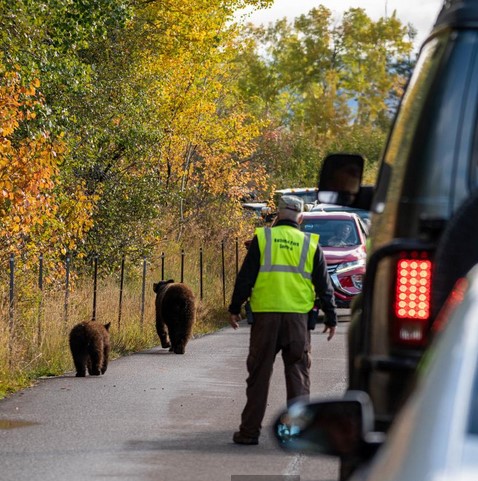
(336, 427)
(340, 181)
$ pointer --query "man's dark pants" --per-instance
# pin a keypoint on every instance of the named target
(271, 333)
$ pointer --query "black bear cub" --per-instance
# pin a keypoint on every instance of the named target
(90, 347)
(175, 314)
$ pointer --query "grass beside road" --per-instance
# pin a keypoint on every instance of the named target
(35, 344)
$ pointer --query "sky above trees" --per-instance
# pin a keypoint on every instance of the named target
(421, 14)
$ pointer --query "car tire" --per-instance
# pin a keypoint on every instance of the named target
(457, 252)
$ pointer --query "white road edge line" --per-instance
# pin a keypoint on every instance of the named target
(294, 465)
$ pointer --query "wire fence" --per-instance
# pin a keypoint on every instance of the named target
(225, 256)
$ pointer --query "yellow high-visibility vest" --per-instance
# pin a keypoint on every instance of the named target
(284, 282)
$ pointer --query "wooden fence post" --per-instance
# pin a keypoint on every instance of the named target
(143, 290)
(67, 287)
(40, 306)
(223, 274)
(120, 308)
(95, 285)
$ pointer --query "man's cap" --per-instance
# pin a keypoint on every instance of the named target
(291, 202)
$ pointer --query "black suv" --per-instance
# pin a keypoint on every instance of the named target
(424, 233)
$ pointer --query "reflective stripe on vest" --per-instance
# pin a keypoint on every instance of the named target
(300, 269)
(284, 281)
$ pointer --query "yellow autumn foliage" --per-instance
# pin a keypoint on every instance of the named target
(186, 68)
(35, 213)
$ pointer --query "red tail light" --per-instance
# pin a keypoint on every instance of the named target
(412, 299)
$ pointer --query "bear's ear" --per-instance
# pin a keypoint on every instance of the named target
(155, 287)
(170, 281)
(107, 326)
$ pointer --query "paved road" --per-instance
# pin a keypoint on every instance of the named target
(159, 416)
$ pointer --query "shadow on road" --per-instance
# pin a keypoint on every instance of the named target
(207, 442)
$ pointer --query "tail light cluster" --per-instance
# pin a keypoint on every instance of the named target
(411, 307)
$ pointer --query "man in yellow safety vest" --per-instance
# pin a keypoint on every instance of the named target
(283, 274)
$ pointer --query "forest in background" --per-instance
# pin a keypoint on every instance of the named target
(124, 123)
(133, 128)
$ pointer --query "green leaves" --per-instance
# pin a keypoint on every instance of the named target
(153, 129)
(156, 117)
(319, 83)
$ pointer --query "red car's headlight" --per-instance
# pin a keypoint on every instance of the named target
(348, 266)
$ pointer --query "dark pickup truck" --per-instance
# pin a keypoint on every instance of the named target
(424, 232)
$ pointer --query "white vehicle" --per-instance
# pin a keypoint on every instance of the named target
(261, 209)
(307, 194)
(434, 436)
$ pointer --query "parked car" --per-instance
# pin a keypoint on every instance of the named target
(345, 257)
(307, 194)
(434, 436)
(424, 207)
(259, 209)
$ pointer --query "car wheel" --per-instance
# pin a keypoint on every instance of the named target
(457, 252)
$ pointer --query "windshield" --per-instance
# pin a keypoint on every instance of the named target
(333, 232)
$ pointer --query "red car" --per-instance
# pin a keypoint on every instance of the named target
(343, 240)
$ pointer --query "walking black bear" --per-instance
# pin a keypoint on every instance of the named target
(175, 314)
(90, 347)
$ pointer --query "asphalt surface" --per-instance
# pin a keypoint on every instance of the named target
(156, 415)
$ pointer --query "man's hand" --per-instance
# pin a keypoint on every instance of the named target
(331, 330)
(234, 320)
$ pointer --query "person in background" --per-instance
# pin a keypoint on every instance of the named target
(341, 237)
(283, 274)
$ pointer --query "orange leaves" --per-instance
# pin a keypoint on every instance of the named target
(17, 103)
(29, 172)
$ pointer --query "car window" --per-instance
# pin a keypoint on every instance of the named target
(428, 152)
(472, 182)
(333, 232)
(444, 150)
(400, 141)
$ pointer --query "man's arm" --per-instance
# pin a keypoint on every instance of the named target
(324, 291)
(246, 277)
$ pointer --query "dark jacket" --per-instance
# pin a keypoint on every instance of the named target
(247, 275)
